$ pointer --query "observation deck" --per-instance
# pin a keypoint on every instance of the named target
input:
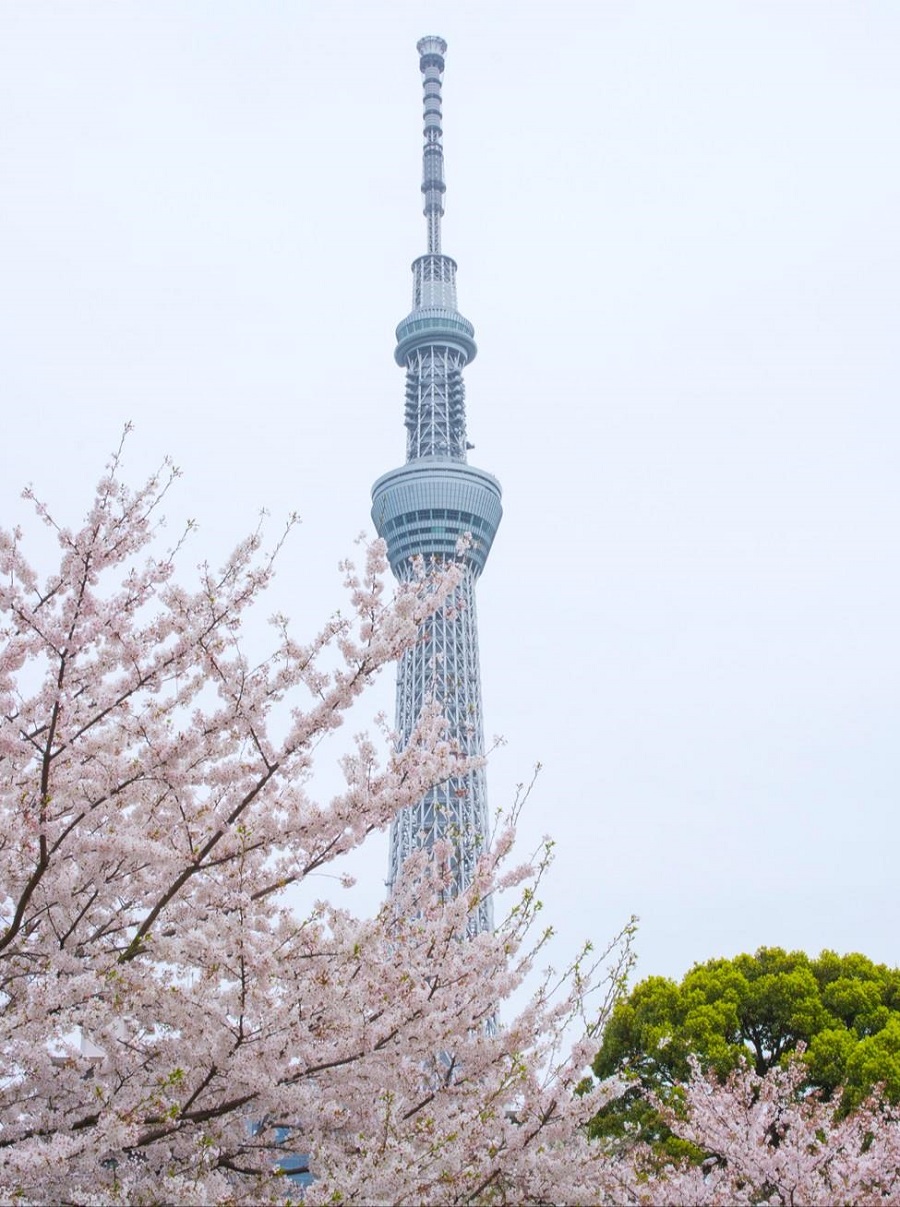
(434, 319)
(423, 509)
(434, 327)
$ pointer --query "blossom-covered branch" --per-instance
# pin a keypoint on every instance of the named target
(171, 1028)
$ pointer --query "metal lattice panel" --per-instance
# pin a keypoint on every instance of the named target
(434, 283)
(443, 667)
(435, 404)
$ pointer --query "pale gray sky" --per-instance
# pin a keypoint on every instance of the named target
(676, 228)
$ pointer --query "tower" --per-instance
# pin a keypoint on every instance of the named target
(423, 508)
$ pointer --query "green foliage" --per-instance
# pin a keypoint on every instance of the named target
(843, 1010)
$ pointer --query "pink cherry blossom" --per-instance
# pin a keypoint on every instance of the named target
(167, 1018)
(173, 1031)
(772, 1142)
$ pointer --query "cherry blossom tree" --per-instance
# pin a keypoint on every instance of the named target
(172, 1030)
(769, 1140)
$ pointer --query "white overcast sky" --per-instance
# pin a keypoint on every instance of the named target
(677, 233)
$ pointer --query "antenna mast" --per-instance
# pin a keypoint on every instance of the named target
(431, 64)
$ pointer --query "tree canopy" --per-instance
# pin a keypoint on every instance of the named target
(842, 1011)
(174, 1029)
(766, 1140)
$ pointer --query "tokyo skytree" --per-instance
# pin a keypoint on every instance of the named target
(423, 508)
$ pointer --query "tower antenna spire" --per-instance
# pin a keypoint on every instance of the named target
(431, 63)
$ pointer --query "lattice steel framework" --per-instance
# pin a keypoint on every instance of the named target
(423, 508)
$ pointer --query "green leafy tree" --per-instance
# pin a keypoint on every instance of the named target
(843, 1012)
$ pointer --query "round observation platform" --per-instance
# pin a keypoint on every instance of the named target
(435, 326)
(426, 506)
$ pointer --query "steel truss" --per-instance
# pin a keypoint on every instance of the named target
(443, 668)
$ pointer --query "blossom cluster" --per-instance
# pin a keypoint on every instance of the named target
(174, 1031)
(769, 1140)
(171, 1027)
